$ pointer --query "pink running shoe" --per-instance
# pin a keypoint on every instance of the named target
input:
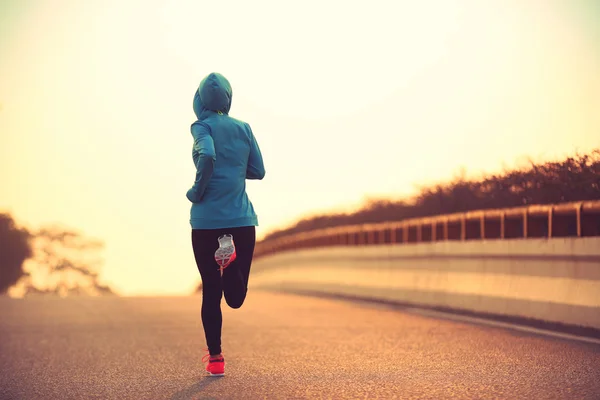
(215, 365)
(225, 254)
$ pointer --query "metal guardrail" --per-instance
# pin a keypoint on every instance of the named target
(576, 219)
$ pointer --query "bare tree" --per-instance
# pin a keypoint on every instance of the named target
(64, 262)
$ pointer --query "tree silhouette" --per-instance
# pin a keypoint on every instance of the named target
(14, 250)
(64, 262)
(52, 260)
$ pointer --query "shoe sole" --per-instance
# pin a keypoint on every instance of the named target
(211, 374)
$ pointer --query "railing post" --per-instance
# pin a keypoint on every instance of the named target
(433, 231)
(463, 227)
(525, 215)
(446, 228)
(502, 224)
(392, 234)
(550, 216)
(405, 229)
(482, 226)
(578, 214)
(419, 232)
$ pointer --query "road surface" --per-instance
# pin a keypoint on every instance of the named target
(277, 346)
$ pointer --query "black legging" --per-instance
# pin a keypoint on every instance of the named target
(234, 283)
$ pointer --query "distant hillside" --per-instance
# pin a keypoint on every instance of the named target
(573, 179)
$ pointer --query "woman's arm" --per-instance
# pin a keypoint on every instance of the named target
(204, 145)
(256, 167)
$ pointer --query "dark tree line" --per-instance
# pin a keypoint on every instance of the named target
(60, 261)
(14, 250)
(573, 179)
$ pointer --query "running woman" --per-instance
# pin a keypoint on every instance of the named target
(223, 220)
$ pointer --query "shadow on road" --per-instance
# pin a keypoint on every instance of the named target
(193, 391)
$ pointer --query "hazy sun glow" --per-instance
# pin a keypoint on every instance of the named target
(347, 100)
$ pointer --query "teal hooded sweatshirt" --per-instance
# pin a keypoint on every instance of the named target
(225, 154)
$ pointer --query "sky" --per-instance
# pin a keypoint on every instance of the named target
(348, 100)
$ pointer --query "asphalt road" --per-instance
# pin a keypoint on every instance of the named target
(276, 346)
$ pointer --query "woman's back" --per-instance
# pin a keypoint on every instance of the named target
(225, 154)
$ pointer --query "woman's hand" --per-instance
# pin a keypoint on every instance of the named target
(192, 196)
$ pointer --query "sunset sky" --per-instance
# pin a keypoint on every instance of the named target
(348, 100)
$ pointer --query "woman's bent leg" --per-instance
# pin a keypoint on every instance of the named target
(204, 243)
(237, 274)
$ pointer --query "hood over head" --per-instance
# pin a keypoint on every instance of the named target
(214, 94)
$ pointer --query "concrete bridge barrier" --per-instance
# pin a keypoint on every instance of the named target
(540, 263)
